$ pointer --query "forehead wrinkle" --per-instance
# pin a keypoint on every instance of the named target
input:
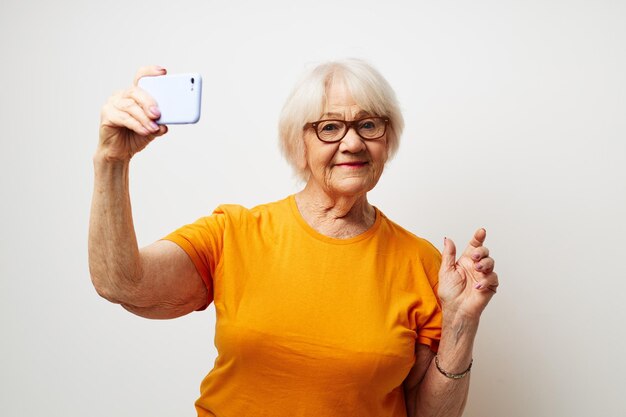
(334, 115)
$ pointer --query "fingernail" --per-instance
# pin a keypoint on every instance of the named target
(154, 126)
(478, 286)
(476, 256)
(479, 267)
(155, 111)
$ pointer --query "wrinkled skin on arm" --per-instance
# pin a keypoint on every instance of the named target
(466, 285)
(159, 281)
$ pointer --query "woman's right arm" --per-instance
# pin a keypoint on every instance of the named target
(159, 281)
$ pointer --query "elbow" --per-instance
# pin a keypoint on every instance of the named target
(116, 288)
(106, 293)
(105, 290)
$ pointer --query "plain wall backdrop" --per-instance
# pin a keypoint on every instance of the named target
(515, 121)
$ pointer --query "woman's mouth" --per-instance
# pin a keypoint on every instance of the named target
(353, 165)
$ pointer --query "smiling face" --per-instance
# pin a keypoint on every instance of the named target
(352, 166)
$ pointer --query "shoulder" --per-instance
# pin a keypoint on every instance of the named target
(407, 239)
(418, 251)
(237, 211)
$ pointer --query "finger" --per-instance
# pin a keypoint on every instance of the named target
(118, 118)
(122, 119)
(148, 71)
(448, 255)
(146, 101)
(110, 117)
(162, 131)
(477, 241)
(485, 265)
(131, 107)
(480, 253)
(479, 238)
(488, 283)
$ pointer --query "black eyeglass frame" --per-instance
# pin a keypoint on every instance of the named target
(349, 125)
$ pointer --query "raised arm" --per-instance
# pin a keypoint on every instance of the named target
(159, 281)
(438, 386)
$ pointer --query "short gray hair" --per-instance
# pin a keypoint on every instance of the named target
(306, 103)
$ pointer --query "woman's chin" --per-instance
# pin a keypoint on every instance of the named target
(351, 186)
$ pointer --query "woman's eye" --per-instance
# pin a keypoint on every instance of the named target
(367, 124)
(329, 127)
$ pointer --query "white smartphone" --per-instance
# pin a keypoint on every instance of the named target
(178, 96)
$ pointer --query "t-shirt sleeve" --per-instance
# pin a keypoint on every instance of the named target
(203, 241)
(429, 315)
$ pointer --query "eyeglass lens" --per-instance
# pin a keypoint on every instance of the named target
(334, 130)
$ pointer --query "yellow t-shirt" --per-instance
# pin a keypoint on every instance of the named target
(309, 325)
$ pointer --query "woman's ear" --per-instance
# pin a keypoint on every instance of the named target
(301, 157)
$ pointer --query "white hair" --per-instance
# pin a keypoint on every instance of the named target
(306, 102)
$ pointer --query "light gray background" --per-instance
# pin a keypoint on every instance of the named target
(515, 120)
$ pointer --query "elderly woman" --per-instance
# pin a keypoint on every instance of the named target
(325, 307)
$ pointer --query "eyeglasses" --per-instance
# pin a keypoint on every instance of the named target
(331, 130)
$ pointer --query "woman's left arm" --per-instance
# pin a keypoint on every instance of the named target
(438, 386)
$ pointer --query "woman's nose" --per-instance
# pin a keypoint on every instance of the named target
(352, 142)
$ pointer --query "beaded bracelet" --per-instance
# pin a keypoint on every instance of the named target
(451, 375)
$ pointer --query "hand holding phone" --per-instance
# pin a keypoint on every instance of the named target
(178, 96)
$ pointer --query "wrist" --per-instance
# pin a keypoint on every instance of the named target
(103, 161)
(459, 328)
(459, 318)
(110, 175)
(458, 332)
(460, 310)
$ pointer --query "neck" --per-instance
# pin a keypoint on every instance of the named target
(335, 216)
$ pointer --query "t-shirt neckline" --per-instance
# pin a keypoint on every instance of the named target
(336, 241)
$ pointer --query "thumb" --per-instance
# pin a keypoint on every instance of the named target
(448, 255)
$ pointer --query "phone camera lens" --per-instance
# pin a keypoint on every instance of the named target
(193, 80)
